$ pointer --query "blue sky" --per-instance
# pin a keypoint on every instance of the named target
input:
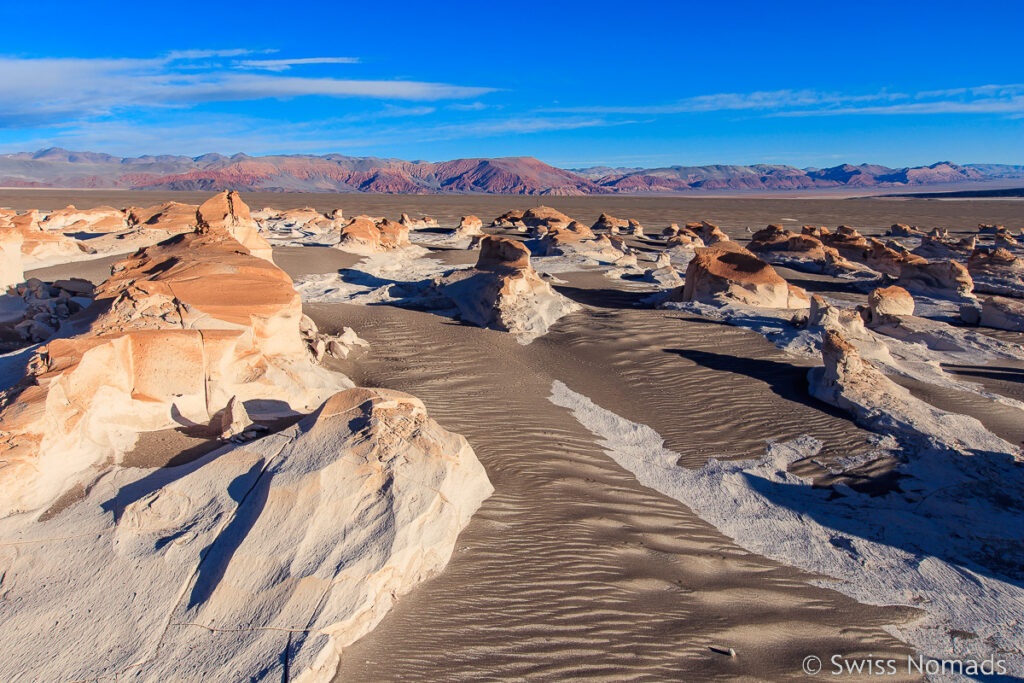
(572, 83)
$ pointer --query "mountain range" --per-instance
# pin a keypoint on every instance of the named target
(56, 167)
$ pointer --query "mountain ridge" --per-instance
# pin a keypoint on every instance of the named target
(58, 167)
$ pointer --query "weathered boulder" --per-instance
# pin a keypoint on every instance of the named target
(363, 235)
(173, 217)
(939, 278)
(1002, 314)
(254, 562)
(188, 324)
(545, 216)
(725, 272)
(227, 214)
(469, 226)
(890, 301)
(504, 292)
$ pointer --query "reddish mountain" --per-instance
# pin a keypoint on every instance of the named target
(509, 175)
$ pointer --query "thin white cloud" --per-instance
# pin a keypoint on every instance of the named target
(285, 64)
(985, 99)
(46, 91)
(186, 55)
(230, 133)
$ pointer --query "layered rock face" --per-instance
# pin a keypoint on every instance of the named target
(503, 291)
(188, 324)
(256, 562)
(364, 235)
(727, 272)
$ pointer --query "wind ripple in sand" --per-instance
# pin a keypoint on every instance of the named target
(886, 553)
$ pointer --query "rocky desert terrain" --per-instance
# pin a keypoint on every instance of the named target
(316, 437)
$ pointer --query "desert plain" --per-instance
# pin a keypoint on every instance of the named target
(635, 451)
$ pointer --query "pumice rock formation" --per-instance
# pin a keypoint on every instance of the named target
(997, 271)
(469, 226)
(189, 324)
(886, 301)
(97, 220)
(39, 247)
(260, 561)
(503, 291)
(800, 252)
(853, 384)
(726, 272)
(940, 278)
(227, 212)
(174, 217)
(364, 235)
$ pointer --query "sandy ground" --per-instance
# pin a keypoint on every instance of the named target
(573, 569)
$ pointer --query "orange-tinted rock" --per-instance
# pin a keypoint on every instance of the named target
(726, 271)
(174, 217)
(497, 253)
(227, 214)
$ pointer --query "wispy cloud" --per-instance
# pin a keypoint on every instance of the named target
(348, 134)
(285, 64)
(985, 99)
(36, 92)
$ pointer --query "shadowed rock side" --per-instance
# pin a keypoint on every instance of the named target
(185, 325)
(257, 562)
(504, 292)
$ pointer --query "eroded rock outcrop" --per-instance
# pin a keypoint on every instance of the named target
(853, 384)
(726, 272)
(255, 562)
(227, 213)
(41, 248)
(997, 271)
(504, 292)
(173, 217)
(189, 323)
(101, 219)
(469, 226)
(364, 235)
(938, 278)
(800, 252)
